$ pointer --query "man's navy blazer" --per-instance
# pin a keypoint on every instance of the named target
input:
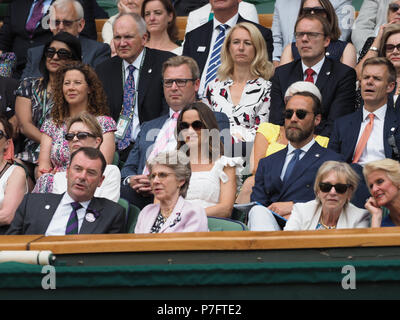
(151, 101)
(346, 129)
(269, 188)
(93, 53)
(201, 38)
(136, 161)
(336, 82)
(36, 211)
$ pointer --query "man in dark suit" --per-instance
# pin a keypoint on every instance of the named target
(199, 43)
(287, 176)
(378, 80)
(72, 16)
(14, 35)
(136, 185)
(148, 100)
(77, 210)
(335, 80)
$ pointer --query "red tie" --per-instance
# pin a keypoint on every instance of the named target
(364, 138)
(309, 73)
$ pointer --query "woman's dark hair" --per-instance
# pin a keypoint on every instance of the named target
(73, 44)
(206, 116)
(8, 129)
(172, 27)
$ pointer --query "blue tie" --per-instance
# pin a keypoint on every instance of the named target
(128, 107)
(292, 164)
(215, 59)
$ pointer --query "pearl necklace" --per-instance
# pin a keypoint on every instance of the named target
(325, 226)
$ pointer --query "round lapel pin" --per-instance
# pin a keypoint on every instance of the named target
(90, 217)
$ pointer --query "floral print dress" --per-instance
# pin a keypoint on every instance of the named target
(60, 154)
(252, 109)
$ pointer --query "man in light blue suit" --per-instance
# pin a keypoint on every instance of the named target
(287, 176)
(180, 69)
(67, 16)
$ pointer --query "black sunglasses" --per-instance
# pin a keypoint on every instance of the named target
(339, 187)
(300, 113)
(196, 125)
(394, 7)
(79, 135)
(62, 54)
(390, 47)
(313, 10)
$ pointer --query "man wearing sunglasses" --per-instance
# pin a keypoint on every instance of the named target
(180, 85)
(287, 176)
(68, 16)
(336, 81)
(372, 132)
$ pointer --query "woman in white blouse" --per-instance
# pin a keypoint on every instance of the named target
(242, 87)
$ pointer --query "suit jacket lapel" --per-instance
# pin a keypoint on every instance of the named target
(92, 217)
(389, 128)
(47, 210)
(324, 74)
(353, 132)
(144, 76)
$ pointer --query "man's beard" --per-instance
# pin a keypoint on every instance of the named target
(297, 136)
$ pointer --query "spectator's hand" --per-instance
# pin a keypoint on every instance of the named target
(282, 208)
(375, 211)
(123, 8)
(140, 184)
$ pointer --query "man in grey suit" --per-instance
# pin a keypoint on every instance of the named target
(68, 16)
(76, 211)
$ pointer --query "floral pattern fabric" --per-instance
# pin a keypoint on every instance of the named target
(252, 109)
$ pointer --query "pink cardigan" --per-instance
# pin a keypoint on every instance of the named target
(185, 217)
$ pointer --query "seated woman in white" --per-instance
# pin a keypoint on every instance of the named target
(85, 131)
(213, 182)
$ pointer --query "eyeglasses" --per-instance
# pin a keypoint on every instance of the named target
(66, 23)
(390, 47)
(80, 135)
(179, 82)
(62, 54)
(300, 113)
(310, 35)
(160, 175)
(339, 187)
(314, 10)
(197, 125)
(394, 7)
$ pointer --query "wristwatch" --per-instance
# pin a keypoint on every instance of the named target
(127, 181)
(374, 49)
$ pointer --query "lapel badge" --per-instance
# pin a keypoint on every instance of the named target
(393, 129)
(201, 49)
(90, 217)
(317, 155)
(150, 71)
(328, 73)
(47, 206)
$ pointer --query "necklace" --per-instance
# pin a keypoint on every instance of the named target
(325, 226)
(165, 214)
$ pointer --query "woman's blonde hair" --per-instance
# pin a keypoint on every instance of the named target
(89, 121)
(342, 169)
(260, 67)
(389, 166)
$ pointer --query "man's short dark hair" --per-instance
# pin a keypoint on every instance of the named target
(92, 154)
(376, 61)
(317, 106)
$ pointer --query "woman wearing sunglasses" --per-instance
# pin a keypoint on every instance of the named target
(334, 186)
(271, 138)
(77, 89)
(339, 50)
(84, 130)
(383, 181)
(213, 182)
(242, 88)
(13, 184)
(35, 95)
(373, 45)
(169, 175)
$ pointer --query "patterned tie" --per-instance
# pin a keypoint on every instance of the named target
(291, 164)
(128, 107)
(215, 59)
(72, 224)
(364, 138)
(309, 73)
(163, 141)
(36, 16)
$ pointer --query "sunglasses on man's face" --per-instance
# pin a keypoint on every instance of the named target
(62, 54)
(196, 125)
(339, 187)
(313, 10)
(394, 7)
(300, 113)
(80, 135)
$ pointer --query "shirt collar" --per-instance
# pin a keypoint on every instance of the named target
(135, 63)
(231, 22)
(316, 67)
(303, 149)
(171, 112)
(66, 199)
(379, 113)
